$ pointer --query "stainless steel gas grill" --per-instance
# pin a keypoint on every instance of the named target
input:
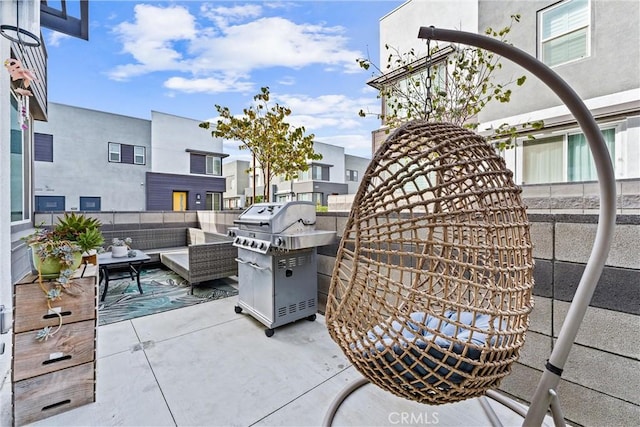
(277, 262)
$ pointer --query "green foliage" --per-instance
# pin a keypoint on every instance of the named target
(89, 239)
(461, 86)
(278, 147)
(83, 230)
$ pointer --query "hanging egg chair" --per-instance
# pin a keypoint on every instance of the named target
(432, 287)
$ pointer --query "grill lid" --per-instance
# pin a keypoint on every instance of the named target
(278, 218)
(284, 226)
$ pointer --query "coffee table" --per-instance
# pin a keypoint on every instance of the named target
(106, 261)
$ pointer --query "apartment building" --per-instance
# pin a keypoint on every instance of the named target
(111, 162)
(236, 174)
(593, 46)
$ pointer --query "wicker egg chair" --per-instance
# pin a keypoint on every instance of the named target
(431, 290)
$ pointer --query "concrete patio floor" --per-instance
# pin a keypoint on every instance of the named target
(205, 365)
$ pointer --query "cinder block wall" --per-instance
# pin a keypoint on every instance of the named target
(601, 380)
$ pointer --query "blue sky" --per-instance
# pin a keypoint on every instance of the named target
(183, 57)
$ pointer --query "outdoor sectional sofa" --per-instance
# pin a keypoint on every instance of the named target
(196, 255)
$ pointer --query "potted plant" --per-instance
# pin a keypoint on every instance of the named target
(83, 230)
(53, 256)
(120, 247)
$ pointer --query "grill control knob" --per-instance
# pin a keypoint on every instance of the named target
(237, 240)
(279, 241)
(245, 242)
(262, 245)
(254, 244)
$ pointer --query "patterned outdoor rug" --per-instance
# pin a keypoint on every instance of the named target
(163, 290)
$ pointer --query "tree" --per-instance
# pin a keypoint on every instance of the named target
(276, 146)
(455, 90)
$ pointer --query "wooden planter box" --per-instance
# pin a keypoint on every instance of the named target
(46, 395)
(32, 312)
(56, 374)
(73, 344)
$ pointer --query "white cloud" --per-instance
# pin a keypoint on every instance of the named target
(56, 37)
(223, 16)
(333, 111)
(208, 85)
(238, 42)
(151, 38)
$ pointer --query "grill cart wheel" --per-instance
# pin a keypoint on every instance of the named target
(269, 332)
(238, 309)
(311, 318)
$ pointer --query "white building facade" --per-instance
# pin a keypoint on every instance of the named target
(591, 44)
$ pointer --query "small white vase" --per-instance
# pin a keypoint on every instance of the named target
(119, 251)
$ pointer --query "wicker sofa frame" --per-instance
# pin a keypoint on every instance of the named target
(197, 256)
(208, 256)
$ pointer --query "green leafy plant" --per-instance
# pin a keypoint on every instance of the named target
(90, 239)
(453, 90)
(59, 257)
(81, 229)
(278, 147)
(57, 253)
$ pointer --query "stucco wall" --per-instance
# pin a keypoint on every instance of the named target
(172, 135)
(81, 149)
(614, 30)
(399, 28)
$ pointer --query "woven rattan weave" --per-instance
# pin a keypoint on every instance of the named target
(431, 290)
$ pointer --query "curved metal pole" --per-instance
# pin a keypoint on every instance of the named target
(607, 214)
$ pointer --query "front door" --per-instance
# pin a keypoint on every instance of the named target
(179, 200)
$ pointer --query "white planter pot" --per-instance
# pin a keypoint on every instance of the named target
(119, 251)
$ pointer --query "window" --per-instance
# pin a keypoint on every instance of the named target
(564, 32)
(19, 161)
(213, 201)
(315, 173)
(562, 158)
(542, 161)
(214, 166)
(49, 203)
(206, 164)
(114, 152)
(89, 203)
(352, 175)
(43, 147)
(580, 164)
(139, 155)
(127, 153)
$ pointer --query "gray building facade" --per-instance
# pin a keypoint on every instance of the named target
(111, 162)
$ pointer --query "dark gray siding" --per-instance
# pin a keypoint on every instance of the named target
(43, 147)
(160, 188)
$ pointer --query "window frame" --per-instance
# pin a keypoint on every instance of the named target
(136, 155)
(24, 174)
(555, 37)
(38, 139)
(563, 138)
(215, 161)
(118, 152)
